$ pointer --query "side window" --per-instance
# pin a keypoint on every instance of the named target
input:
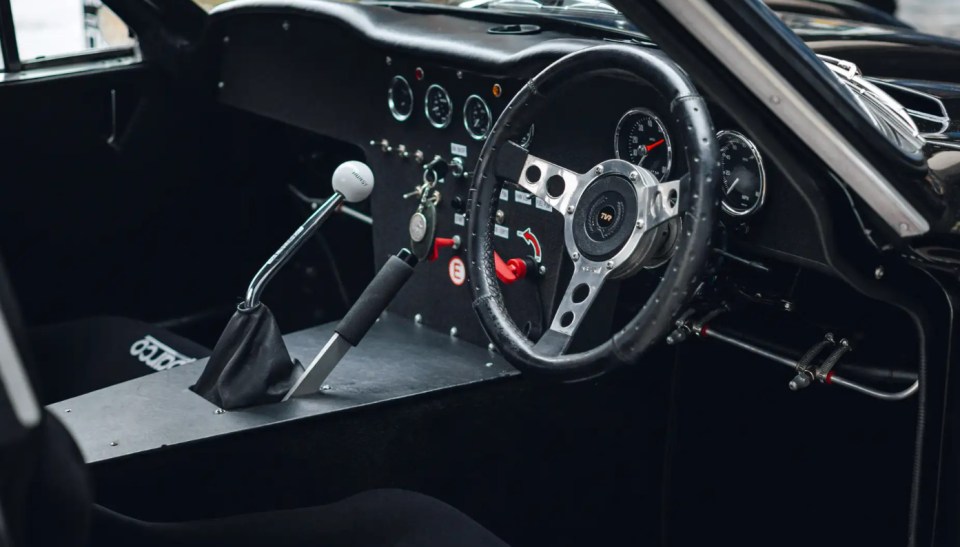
(48, 31)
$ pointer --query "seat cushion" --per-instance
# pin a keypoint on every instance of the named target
(89, 354)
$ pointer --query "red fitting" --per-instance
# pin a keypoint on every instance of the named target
(703, 330)
(439, 243)
(829, 378)
(510, 271)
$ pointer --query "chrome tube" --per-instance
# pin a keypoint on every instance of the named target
(833, 379)
(288, 249)
(883, 395)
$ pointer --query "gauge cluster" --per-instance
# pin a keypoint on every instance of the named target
(642, 139)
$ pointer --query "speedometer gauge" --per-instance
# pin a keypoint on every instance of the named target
(642, 139)
(744, 183)
(438, 106)
(400, 98)
(477, 117)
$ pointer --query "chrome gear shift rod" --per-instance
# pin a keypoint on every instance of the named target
(352, 182)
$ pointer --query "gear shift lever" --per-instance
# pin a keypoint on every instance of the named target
(352, 182)
(250, 364)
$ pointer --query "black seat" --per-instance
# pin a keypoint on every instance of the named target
(46, 495)
(82, 356)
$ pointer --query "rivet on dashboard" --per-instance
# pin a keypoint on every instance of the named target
(219, 411)
(286, 25)
(491, 347)
(459, 74)
(226, 39)
(453, 332)
(542, 270)
(325, 387)
(389, 61)
(220, 85)
(500, 216)
(879, 272)
(488, 365)
(418, 319)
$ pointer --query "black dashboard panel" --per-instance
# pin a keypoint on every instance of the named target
(327, 67)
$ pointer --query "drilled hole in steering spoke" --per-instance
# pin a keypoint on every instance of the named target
(555, 186)
(566, 319)
(672, 198)
(533, 174)
(580, 293)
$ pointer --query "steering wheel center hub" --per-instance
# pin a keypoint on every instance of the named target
(605, 217)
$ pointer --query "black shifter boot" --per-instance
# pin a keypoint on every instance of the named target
(250, 364)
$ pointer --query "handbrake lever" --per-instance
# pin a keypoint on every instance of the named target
(354, 326)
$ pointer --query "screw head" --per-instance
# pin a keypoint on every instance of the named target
(114, 443)
(634, 176)
(459, 74)
(220, 85)
(389, 61)
(219, 411)
(491, 347)
(609, 264)
(542, 270)
(453, 332)
(325, 387)
(598, 170)
(500, 216)
(575, 255)
(226, 39)
(788, 306)
(488, 365)
(879, 272)
(640, 224)
(418, 319)
(570, 209)
(286, 25)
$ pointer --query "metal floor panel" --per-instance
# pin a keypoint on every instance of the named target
(397, 359)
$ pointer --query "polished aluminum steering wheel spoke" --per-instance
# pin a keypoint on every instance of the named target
(584, 287)
(659, 204)
(552, 183)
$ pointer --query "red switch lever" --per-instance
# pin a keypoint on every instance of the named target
(510, 271)
(439, 243)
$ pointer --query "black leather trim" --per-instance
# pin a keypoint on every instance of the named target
(695, 137)
(434, 36)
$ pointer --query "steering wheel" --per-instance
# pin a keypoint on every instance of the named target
(611, 215)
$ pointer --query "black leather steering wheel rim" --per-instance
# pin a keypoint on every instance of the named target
(693, 129)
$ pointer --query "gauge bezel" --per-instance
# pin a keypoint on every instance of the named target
(663, 129)
(466, 105)
(397, 115)
(763, 174)
(426, 107)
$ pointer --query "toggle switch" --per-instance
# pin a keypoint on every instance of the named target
(441, 242)
(511, 271)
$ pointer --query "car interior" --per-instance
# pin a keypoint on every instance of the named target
(296, 272)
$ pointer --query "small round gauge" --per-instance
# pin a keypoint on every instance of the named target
(477, 117)
(527, 137)
(744, 183)
(642, 139)
(400, 98)
(438, 106)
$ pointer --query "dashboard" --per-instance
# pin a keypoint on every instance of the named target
(419, 94)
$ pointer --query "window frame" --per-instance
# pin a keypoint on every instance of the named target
(10, 50)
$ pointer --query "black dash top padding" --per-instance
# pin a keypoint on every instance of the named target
(250, 364)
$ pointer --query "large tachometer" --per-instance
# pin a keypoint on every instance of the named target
(642, 139)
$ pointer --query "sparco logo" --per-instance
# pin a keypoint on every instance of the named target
(157, 355)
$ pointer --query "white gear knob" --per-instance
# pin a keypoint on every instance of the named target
(354, 180)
